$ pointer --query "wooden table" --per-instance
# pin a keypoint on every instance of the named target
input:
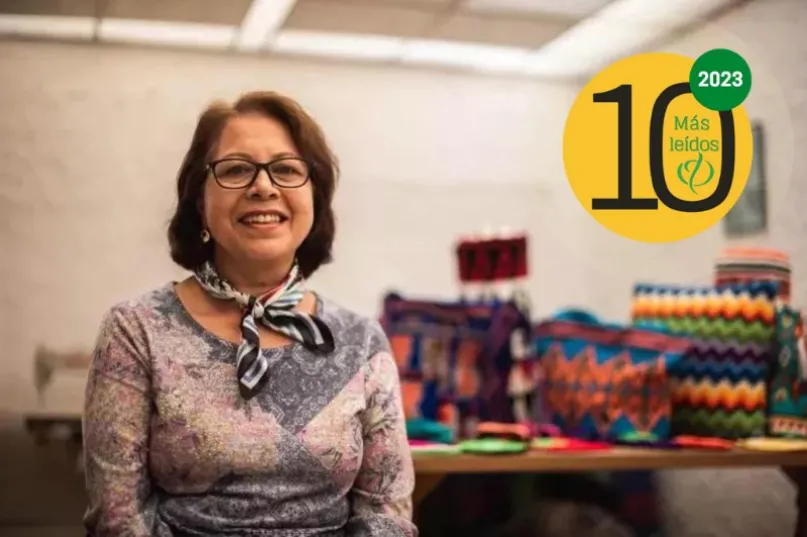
(431, 469)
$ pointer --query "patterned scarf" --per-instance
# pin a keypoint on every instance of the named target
(275, 310)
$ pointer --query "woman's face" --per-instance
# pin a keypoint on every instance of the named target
(261, 223)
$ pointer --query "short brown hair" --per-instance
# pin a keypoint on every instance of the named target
(185, 229)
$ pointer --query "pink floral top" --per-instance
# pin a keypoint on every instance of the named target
(171, 449)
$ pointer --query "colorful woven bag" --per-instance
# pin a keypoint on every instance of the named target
(787, 398)
(719, 388)
(603, 381)
(454, 359)
(746, 265)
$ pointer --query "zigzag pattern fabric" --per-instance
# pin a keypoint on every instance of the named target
(746, 265)
(719, 388)
(605, 381)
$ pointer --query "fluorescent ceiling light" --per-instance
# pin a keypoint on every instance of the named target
(262, 20)
(668, 15)
(353, 46)
(47, 26)
(577, 55)
(465, 55)
(616, 31)
(576, 8)
(166, 33)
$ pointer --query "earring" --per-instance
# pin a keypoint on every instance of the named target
(205, 236)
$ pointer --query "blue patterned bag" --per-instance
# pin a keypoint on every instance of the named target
(787, 392)
(604, 381)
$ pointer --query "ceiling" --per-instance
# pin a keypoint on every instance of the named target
(548, 38)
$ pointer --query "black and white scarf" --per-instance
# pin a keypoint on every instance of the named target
(275, 310)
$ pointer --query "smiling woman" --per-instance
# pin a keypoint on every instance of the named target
(237, 401)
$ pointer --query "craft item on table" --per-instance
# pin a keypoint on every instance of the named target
(772, 444)
(493, 446)
(547, 442)
(568, 445)
(746, 265)
(601, 381)
(787, 390)
(508, 431)
(719, 388)
(521, 384)
(636, 439)
(704, 442)
(414, 442)
(453, 358)
(543, 430)
(636, 436)
(433, 448)
(428, 430)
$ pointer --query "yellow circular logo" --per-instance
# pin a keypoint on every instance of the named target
(646, 159)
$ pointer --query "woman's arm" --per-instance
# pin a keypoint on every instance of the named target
(381, 497)
(116, 423)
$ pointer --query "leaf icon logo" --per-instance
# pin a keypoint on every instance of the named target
(689, 169)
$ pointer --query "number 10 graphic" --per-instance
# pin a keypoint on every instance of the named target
(623, 97)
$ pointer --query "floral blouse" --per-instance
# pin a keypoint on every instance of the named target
(171, 448)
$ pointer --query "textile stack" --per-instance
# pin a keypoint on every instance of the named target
(719, 387)
(745, 265)
(787, 393)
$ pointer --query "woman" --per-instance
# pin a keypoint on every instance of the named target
(236, 402)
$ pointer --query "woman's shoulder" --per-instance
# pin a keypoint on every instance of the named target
(139, 312)
(127, 330)
(351, 328)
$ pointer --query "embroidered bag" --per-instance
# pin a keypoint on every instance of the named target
(787, 398)
(719, 388)
(604, 381)
(454, 359)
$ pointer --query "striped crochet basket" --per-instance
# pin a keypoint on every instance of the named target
(719, 388)
(746, 265)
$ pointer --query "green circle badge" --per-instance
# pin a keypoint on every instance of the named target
(720, 80)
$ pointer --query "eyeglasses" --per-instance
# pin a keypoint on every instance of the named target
(235, 173)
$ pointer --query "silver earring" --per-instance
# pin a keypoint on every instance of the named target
(205, 236)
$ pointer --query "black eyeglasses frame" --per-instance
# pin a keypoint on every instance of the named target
(211, 167)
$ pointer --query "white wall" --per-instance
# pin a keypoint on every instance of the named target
(91, 138)
(772, 36)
